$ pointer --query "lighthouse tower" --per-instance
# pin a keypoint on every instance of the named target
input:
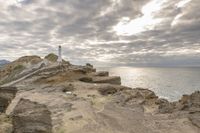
(59, 54)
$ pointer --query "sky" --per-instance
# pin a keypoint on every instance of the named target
(103, 32)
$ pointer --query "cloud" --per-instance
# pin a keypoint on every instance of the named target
(152, 32)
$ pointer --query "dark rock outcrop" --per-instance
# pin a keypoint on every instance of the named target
(111, 80)
(101, 73)
(31, 117)
(86, 79)
(6, 96)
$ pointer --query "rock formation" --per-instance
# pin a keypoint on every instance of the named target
(65, 98)
(6, 96)
(31, 117)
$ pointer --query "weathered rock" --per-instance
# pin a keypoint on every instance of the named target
(84, 69)
(80, 70)
(106, 89)
(89, 69)
(89, 65)
(68, 88)
(195, 119)
(86, 79)
(164, 106)
(6, 96)
(31, 117)
(5, 124)
(189, 102)
(101, 73)
(112, 80)
(146, 94)
(195, 99)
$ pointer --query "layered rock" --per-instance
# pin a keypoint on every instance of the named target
(110, 80)
(6, 96)
(101, 79)
(31, 117)
(101, 73)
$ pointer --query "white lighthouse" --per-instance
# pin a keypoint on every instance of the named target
(59, 54)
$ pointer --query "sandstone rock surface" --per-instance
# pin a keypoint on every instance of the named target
(31, 117)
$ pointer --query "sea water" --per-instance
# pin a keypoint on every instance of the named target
(169, 83)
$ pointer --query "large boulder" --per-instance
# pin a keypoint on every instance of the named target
(6, 96)
(31, 117)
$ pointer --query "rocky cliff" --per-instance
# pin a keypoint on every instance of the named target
(67, 98)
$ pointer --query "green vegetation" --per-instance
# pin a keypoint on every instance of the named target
(51, 57)
(18, 67)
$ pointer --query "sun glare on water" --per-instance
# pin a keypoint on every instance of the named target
(127, 27)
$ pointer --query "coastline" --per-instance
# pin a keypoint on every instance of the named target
(76, 99)
(168, 83)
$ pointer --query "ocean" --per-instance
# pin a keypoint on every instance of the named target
(168, 83)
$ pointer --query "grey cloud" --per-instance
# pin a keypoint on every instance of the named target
(37, 27)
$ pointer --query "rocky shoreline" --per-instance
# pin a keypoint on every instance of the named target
(76, 99)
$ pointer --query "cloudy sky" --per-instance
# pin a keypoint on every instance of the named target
(103, 32)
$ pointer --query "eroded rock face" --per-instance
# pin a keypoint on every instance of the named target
(6, 96)
(195, 99)
(189, 102)
(195, 119)
(101, 73)
(31, 117)
(164, 106)
(5, 124)
(86, 79)
(111, 80)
